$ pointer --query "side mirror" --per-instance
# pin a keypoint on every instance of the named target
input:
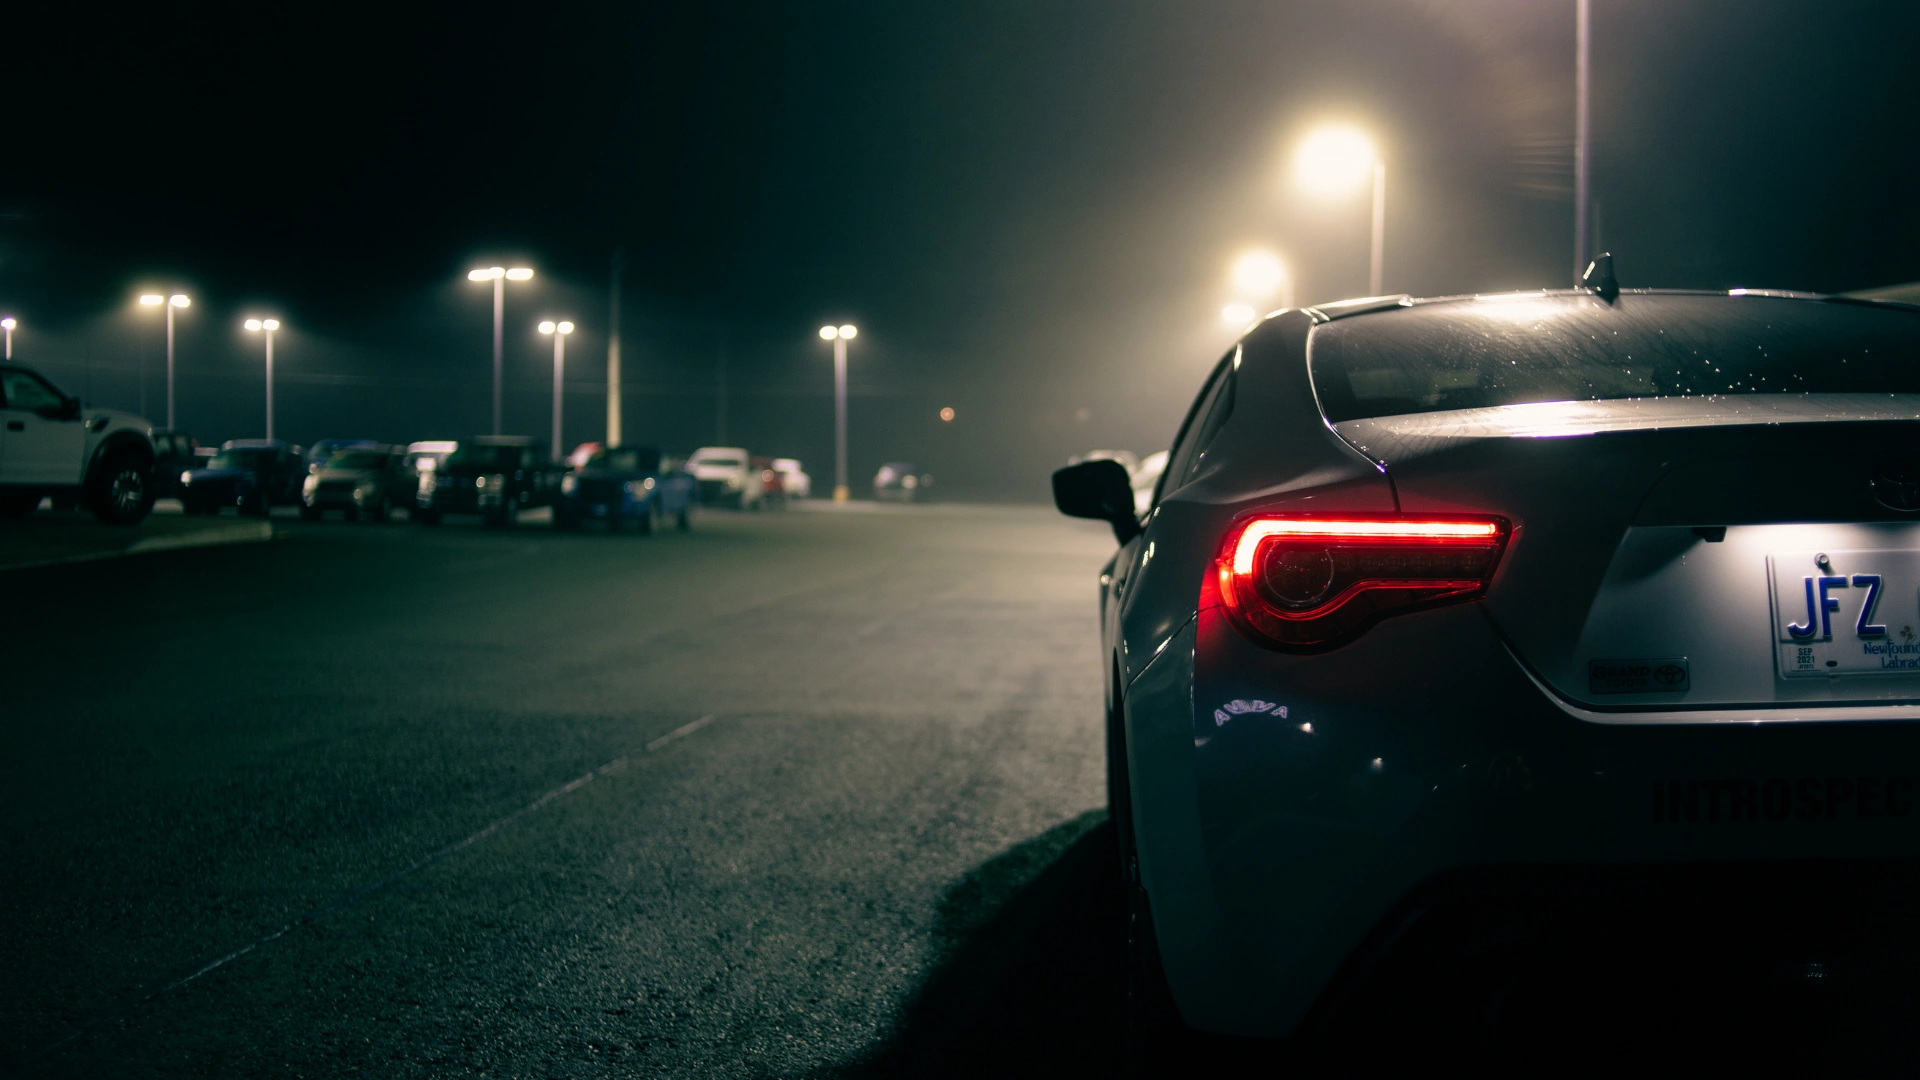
(1100, 490)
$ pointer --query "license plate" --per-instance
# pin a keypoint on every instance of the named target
(1846, 612)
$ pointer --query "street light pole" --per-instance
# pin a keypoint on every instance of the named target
(559, 330)
(177, 300)
(840, 335)
(1335, 160)
(1582, 163)
(499, 313)
(1377, 264)
(499, 276)
(268, 325)
(613, 347)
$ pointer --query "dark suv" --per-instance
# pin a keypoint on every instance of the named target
(495, 476)
(626, 483)
(252, 474)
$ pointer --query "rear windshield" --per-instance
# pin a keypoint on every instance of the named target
(358, 459)
(1521, 350)
(498, 458)
(626, 460)
(717, 462)
(241, 459)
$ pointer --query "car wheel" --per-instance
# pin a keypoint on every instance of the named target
(261, 506)
(643, 523)
(377, 513)
(1154, 1028)
(426, 517)
(565, 519)
(13, 506)
(121, 492)
(309, 513)
(685, 520)
(500, 520)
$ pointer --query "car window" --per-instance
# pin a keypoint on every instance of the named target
(1209, 413)
(24, 390)
(1520, 350)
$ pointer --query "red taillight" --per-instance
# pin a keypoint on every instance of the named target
(1304, 581)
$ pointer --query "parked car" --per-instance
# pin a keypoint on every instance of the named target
(173, 454)
(54, 447)
(773, 487)
(360, 482)
(1145, 479)
(725, 477)
(322, 449)
(418, 459)
(1467, 637)
(252, 475)
(1126, 458)
(796, 483)
(899, 481)
(495, 476)
(625, 484)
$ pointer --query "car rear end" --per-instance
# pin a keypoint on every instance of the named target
(1626, 624)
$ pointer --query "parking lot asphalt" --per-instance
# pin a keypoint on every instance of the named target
(48, 537)
(792, 794)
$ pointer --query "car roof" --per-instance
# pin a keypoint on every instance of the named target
(1368, 305)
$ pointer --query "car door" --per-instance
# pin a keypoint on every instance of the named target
(44, 441)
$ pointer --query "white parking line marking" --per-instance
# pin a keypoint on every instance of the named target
(680, 732)
(358, 893)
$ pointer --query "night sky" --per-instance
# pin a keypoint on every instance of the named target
(1029, 208)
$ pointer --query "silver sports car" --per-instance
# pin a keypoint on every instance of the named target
(1453, 618)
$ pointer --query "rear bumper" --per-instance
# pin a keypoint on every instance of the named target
(1423, 751)
(332, 499)
(461, 499)
(603, 506)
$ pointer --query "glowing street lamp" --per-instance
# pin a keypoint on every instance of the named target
(177, 300)
(268, 325)
(499, 276)
(8, 324)
(1237, 315)
(840, 335)
(1335, 160)
(1260, 275)
(559, 330)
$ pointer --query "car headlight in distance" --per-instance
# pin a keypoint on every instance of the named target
(568, 483)
(312, 481)
(647, 483)
(363, 491)
(186, 478)
(1299, 581)
(734, 482)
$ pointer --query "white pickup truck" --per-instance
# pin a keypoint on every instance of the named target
(53, 446)
(726, 476)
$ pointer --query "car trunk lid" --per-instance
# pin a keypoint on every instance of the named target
(1661, 548)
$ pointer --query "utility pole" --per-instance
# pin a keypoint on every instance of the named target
(1582, 160)
(613, 347)
(720, 392)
